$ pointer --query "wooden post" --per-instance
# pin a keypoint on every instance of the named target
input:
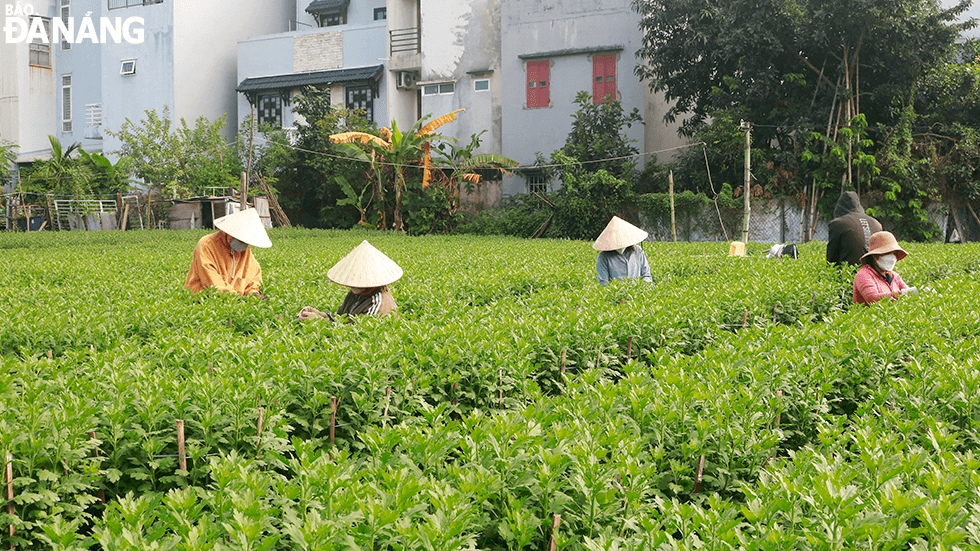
(779, 413)
(244, 200)
(258, 432)
(333, 418)
(125, 217)
(50, 354)
(564, 354)
(745, 318)
(181, 457)
(747, 187)
(500, 390)
(629, 347)
(673, 220)
(697, 477)
(9, 476)
(384, 414)
(95, 453)
(555, 521)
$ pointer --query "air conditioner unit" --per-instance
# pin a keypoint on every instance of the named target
(406, 80)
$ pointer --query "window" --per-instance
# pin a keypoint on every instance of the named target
(270, 110)
(66, 103)
(537, 182)
(538, 76)
(332, 18)
(481, 85)
(116, 4)
(127, 67)
(444, 88)
(65, 14)
(380, 14)
(40, 51)
(361, 97)
(603, 78)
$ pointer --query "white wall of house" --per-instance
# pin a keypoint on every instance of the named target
(206, 50)
(27, 93)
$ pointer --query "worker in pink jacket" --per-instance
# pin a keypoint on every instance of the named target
(877, 277)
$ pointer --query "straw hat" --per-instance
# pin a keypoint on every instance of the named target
(618, 234)
(246, 227)
(365, 267)
(883, 242)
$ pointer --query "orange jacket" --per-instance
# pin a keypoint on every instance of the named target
(216, 265)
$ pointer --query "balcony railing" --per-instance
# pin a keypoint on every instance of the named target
(405, 40)
(116, 4)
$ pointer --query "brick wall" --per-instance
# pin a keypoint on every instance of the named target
(317, 52)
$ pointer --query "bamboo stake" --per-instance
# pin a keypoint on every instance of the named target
(333, 418)
(500, 391)
(10, 493)
(555, 521)
(745, 318)
(181, 456)
(95, 453)
(564, 355)
(697, 477)
(258, 432)
(125, 217)
(629, 347)
(384, 415)
(673, 220)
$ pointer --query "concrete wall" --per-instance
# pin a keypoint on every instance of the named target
(27, 93)
(460, 39)
(205, 84)
(542, 26)
(83, 61)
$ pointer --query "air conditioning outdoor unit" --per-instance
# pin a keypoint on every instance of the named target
(406, 79)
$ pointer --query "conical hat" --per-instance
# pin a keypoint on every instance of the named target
(365, 267)
(618, 234)
(246, 227)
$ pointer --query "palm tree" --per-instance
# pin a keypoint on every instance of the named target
(61, 174)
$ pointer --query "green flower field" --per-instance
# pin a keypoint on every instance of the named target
(512, 404)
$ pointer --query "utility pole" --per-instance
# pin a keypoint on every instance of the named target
(747, 187)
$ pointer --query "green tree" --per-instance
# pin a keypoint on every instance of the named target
(62, 174)
(794, 68)
(598, 134)
(7, 157)
(175, 158)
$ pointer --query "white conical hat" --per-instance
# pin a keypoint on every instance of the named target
(618, 234)
(246, 227)
(365, 267)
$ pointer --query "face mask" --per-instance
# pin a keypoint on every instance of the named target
(887, 262)
(237, 245)
(621, 250)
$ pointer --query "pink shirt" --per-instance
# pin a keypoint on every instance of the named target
(870, 287)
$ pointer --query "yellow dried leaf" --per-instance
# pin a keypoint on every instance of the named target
(361, 137)
(437, 122)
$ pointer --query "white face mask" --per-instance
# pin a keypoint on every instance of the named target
(237, 245)
(887, 262)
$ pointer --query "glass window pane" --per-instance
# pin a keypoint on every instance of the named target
(447, 88)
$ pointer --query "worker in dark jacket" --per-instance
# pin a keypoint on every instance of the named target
(849, 231)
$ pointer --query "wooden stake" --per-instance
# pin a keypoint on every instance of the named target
(181, 457)
(555, 521)
(564, 354)
(697, 477)
(125, 217)
(745, 318)
(455, 389)
(230, 325)
(629, 347)
(333, 418)
(258, 432)
(673, 221)
(10, 492)
(95, 453)
(384, 414)
(500, 391)
(50, 354)
(779, 413)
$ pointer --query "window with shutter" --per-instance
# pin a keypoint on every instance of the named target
(603, 78)
(538, 84)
